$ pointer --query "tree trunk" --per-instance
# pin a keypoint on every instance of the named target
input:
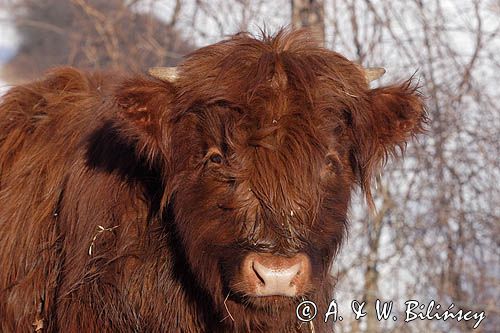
(310, 14)
(374, 228)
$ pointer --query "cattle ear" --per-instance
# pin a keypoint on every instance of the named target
(395, 114)
(144, 110)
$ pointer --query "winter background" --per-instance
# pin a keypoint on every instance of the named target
(8, 43)
(436, 232)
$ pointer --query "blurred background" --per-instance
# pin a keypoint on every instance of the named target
(436, 233)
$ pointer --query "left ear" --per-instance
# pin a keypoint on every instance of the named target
(394, 115)
(144, 106)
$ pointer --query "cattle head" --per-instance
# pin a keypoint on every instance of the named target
(262, 142)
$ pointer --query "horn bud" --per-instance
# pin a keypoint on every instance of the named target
(168, 74)
(373, 73)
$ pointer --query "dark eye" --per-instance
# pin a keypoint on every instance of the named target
(347, 116)
(216, 158)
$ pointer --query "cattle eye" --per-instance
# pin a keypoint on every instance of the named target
(333, 163)
(216, 158)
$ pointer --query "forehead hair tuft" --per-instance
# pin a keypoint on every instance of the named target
(244, 70)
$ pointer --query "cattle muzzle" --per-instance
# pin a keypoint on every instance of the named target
(272, 275)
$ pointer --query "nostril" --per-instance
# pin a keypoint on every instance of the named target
(256, 271)
(272, 275)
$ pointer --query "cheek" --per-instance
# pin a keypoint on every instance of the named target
(206, 233)
(326, 238)
(201, 221)
(330, 227)
(337, 188)
(328, 235)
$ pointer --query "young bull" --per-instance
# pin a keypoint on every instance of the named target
(207, 198)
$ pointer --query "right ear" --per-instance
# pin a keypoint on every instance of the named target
(395, 115)
(144, 111)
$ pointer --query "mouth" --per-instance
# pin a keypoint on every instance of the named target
(275, 302)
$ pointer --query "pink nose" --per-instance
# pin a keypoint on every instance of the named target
(271, 275)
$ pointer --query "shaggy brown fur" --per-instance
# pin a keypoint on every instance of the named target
(128, 203)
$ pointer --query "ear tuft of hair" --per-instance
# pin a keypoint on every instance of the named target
(396, 114)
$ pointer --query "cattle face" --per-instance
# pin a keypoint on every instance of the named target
(265, 140)
(212, 198)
